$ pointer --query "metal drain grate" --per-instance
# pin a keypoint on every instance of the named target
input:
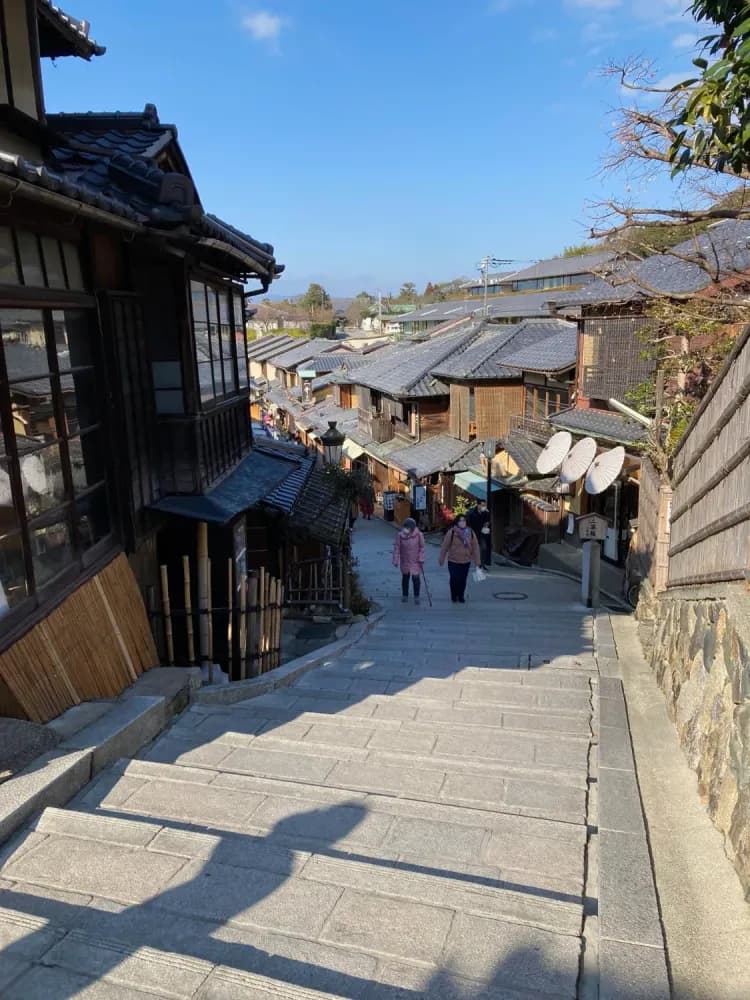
(510, 595)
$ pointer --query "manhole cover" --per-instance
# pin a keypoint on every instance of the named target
(510, 595)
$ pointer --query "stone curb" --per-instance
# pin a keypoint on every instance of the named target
(631, 936)
(128, 724)
(285, 676)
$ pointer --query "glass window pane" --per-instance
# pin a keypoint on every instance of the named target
(80, 400)
(33, 413)
(8, 264)
(230, 382)
(42, 479)
(238, 320)
(53, 262)
(213, 308)
(13, 584)
(86, 460)
(205, 380)
(224, 308)
(92, 518)
(73, 267)
(73, 338)
(226, 341)
(198, 297)
(24, 342)
(31, 260)
(51, 551)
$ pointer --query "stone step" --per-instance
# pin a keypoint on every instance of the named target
(449, 882)
(289, 705)
(351, 685)
(460, 747)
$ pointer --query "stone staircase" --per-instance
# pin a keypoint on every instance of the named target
(407, 820)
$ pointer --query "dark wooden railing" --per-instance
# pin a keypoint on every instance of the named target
(378, 428)
(196, 450)
(319, 582)
(537, 430)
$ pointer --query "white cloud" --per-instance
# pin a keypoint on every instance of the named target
(263, 26)
(685, 41)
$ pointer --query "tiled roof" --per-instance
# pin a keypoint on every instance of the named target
(725, 247)
(523, 451)
(502, 351)
(600, 424)
(287, 492)
(266, 347)
(320, 512)
(303, 351)
(546, 484)
(471, 459)
(73, 34)
(335, 360)
(244, 487)
(137, 133)
(521, 305)
(105, 160)
(551, 354)
(436, 454)
(560, 267)
(407, 371)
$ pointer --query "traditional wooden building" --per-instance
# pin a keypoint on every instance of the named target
(123, 372)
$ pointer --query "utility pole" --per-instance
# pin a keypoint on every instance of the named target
(484, 266)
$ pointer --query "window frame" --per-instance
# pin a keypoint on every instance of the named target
(69, 510)
(235, 332)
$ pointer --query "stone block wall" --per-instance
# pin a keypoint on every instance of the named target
(699, 649)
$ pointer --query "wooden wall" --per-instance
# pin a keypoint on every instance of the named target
(496, 404)
(93, 645)
(433, 417)
(710, 530)
(459, 412)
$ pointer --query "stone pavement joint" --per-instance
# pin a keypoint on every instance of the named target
(423, 814)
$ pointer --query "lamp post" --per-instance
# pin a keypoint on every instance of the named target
(333, 444)
(488, 450)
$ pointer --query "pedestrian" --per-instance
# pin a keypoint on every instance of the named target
(408, 556)
(479, 521)
(461, 549)
(367, 502)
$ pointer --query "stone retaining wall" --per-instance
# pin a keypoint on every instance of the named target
(699, 649)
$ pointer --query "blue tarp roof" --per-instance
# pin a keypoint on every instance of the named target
(472, 482)
(255, 477)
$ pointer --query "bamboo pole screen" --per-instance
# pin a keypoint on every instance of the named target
(95, 644)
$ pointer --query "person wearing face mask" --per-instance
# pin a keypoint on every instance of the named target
(408, 556)
(461, 549)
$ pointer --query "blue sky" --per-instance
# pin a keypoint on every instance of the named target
(381, 141)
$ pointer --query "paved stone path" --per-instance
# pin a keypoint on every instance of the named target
(407, 820)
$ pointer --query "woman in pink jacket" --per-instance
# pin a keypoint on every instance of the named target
(461, 548)
(408, 556)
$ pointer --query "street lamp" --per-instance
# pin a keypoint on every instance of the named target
(489, 448)
(333, 444)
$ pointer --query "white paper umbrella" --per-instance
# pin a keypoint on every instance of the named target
(32, 470)
(604, 470)
(554, 452)
(577, 461)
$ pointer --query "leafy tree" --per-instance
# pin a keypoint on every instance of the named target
(359, 308)
(327, 329)
(315, 300)
(712, 124)
(576, 249)
(408, 292)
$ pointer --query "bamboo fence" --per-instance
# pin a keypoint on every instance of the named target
(93, 645)
(710, 525)
(249, 624)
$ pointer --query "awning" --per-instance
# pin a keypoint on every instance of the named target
(472, 482)
(255, 477)
(352, 450)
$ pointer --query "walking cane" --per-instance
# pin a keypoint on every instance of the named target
(427, 588)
